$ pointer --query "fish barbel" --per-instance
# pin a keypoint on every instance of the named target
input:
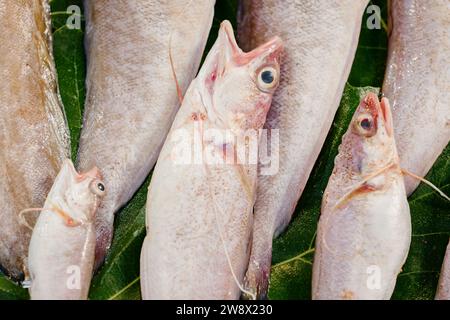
(139, 54)
(34, 138)
(321, 38)
(199, 213)
(364, 229)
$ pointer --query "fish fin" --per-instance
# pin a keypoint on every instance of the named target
(174, 74)
(430, 184)
(257, 276)
(363, 186)
(24, 221)
(69, 221)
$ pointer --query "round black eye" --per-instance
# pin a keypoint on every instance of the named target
(366, 124)
(267, 76)
(100, 186)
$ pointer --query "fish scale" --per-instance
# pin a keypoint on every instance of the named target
(34, 138)
(364, 231)
(199, 214)
(417, 82)
(321, 39)
(131, 92)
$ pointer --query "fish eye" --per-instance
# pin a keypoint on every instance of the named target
(267, 78)
(364, 125)
(97, 187)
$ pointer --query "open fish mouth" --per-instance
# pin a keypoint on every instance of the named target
(271, 48)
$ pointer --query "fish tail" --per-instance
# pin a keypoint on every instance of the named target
(257, 276)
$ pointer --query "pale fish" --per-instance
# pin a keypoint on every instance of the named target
(34, 138)
(139, 54)
(364, 230)
(321, 38)
(200, 214)
(417, 82)
(62, 247)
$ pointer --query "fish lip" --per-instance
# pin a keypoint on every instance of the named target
(227, 28)
(93, 173)
(79, 177)
(69, 165)
(387, 115)
(273, 47)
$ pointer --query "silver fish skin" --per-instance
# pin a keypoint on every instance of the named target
(443, 290)
(417, 82)
(131, 91)
(62, 247)
(364, 230)
(199, 214)
(321, 39)
(34, 138)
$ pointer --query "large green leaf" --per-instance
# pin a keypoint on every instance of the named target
(294, 250)
(70, 63)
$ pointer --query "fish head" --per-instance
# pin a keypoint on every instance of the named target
(78, 195)
(370, 138)
(239, 85)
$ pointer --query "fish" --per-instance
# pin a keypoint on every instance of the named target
(62, 246)
(199, 211)
(141, 56)
(443, 289)
(364, 230)
(34, 136)
(321, 39)
(417, 82)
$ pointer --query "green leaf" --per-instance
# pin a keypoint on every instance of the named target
(11, 291)
(68, 50)
(293, 251)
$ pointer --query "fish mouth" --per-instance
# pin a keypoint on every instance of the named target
(93, 173)
(272, 48)
(79, 177)
(380, 110)
(386, 111)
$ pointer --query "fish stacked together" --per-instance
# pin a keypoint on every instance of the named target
(213, 208)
